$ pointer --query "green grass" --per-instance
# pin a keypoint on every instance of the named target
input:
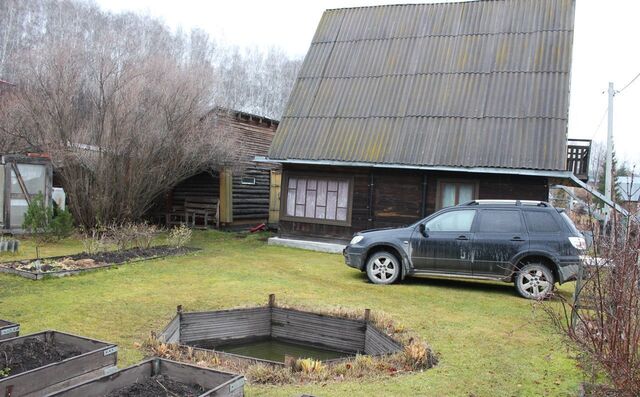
(491, 342)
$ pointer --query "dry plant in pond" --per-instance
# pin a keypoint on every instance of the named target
(603, 323)
(416, 355)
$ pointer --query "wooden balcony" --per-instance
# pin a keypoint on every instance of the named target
(578, 155)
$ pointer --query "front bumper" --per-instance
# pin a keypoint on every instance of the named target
(354, 257)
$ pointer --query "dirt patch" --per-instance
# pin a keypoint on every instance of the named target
(85, 260)
(29, 354)
(158, 386)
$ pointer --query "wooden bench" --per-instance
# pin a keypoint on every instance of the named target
(206, 209)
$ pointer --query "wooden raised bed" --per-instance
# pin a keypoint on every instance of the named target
(88, 359)
(8, 329)
(215, 383)
(35, 275)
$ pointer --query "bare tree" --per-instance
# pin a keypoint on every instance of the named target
(122, 116)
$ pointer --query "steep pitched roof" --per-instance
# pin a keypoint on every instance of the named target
(468, 84)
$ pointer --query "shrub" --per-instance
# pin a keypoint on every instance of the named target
(144, 234)
(93, 241)
(61, 225)
(603, 322)
(179, 237)
(38, 217)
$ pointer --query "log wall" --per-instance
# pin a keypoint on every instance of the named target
(392, 198)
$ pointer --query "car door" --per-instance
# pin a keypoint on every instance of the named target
(499, 235)
(445, 245)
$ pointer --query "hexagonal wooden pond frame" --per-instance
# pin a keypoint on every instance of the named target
(341, 334)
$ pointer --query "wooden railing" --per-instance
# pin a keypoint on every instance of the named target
(578, 155)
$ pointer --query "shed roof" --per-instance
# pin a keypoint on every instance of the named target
(469, 84)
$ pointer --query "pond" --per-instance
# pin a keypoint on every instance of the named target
(275, 350)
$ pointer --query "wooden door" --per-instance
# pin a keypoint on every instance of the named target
(274, 196)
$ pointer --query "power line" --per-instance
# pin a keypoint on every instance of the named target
(600, 123)
(628, 84)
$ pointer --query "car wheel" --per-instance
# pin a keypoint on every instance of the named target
(534, 281)
(383, 268)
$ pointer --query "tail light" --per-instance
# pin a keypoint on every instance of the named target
(578, 243)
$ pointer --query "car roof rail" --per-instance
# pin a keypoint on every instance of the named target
(507, 202)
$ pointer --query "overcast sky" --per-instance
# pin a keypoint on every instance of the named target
(606, 49)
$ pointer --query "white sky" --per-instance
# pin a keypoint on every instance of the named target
(606, 48)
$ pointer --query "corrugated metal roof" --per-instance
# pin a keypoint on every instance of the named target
(469, 84)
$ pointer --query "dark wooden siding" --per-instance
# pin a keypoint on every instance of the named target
(204, 185)
(400, 197)
(251, 202)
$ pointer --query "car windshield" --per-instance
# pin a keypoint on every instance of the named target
(569, 222)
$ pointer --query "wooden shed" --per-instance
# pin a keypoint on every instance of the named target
(233, 196)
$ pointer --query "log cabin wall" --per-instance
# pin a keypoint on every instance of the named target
(249, 201)
(391, 198)
(205, 185)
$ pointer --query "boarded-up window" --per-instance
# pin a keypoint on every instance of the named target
(318, 198)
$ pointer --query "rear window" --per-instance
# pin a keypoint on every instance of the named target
(570, 223)
(499, 221)
(541, 222)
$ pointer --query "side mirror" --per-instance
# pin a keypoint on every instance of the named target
(423, 230)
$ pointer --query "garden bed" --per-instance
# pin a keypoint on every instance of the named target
(8, 330)
(50, 360)
(158, 378)
(60, 266)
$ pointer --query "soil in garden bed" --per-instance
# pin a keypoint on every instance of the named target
(31, 353)
(85, 260)
(158, 386)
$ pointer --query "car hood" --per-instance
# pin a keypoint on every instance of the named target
(384, 230)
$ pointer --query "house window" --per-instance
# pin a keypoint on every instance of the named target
(453, 193)
(248, 180)
(322, 200)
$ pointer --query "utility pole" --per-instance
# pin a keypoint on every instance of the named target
(608, 174)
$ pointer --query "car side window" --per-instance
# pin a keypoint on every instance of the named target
(500, 221)
(454, 221)
(541, 222)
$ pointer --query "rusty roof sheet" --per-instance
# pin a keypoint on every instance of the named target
(469, 84)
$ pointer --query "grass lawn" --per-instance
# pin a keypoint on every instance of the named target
(490, 341)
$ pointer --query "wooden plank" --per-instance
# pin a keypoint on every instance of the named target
(218, 383)
(274, 196)
(378, 343)
(226, 196)
(9, 329)
(225, 325)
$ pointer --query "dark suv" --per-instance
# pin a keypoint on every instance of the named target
(529, 243)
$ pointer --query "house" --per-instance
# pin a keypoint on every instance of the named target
(629, 192)
(236, 195)
(401, 110)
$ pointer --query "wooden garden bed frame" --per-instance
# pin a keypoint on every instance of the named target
(8, 329)
(219, 384)
(96, 359)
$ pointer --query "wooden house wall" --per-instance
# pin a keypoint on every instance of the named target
(389, 198)
(251, 202)
(205, 185)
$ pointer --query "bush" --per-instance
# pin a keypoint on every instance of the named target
(45, 223)
(129, 235)
(179, 237)
(93, 241)
(38, 217)
(61, 225)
